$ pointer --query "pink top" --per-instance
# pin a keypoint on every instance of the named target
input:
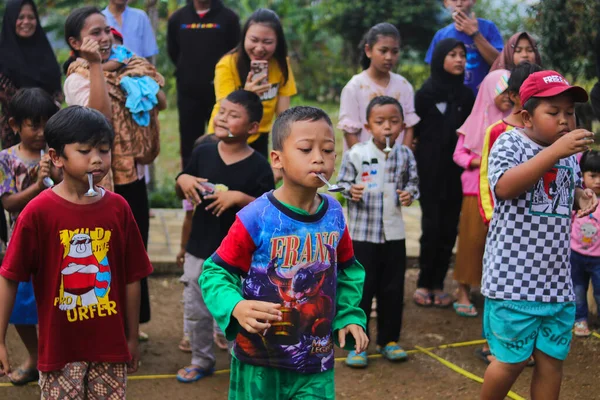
(470, 176)
(358, 93)
(585, 234)
(484, 111)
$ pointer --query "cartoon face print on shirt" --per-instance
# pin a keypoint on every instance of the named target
(368, 174)
(85, 274)
(588, 233)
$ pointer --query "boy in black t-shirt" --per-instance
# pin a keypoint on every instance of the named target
(219, 180)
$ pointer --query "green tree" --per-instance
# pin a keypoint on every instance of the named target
(509, 16)
(417, 20)
(567, 31)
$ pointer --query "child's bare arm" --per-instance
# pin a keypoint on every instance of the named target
(111, 65)
(186, 230)
(133, 322)
(8, 292)
(522, 177)
(255, 316)
(187, 188)
(15, 202)
(586, 202)
(162, 100)
(227, 199)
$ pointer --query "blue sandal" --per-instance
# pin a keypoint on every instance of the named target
(357, 360)
(201, 373)
(470, 314)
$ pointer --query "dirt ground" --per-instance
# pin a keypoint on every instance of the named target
(421, 377)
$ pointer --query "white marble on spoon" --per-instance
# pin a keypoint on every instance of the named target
(91, 192)
(48, 182)
(387, 148)
(330, 187)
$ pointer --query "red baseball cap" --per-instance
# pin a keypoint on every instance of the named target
(116, 33)
(549, 84)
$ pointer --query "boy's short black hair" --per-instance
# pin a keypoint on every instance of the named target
(34, 104)
(590, 161)
(382, 101)
(283, 124)
(250, 101)
(77, 124)
(519, 74)
(531, 104)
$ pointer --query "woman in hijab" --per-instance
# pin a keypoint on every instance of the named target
(26, 60)
(443, 104)
(520, 47)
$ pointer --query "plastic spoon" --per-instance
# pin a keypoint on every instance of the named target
(330, 187)
(48, 182)
(387, 145)
(91, 192)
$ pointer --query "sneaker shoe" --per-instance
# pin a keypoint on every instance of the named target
(581, 329)
(357, 360)
(393, 352)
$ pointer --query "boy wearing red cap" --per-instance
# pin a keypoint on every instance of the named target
(536, 183)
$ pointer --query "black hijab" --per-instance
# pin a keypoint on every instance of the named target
(27, 62)
(443, 86)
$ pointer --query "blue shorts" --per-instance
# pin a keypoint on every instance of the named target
(24, 311)
(515, 328)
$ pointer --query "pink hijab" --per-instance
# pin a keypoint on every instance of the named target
(484, 111)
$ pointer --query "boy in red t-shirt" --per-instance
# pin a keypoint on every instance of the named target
(85, 256)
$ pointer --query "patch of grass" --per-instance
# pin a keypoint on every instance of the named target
(167, 164)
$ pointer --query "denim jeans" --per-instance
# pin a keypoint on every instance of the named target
(584, 268)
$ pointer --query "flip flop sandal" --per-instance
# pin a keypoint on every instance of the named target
(483, 355)
(470, 314)
(201, 373)
(27, 375)
(444, 299)
(420, 298)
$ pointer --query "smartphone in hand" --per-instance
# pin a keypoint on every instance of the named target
(259, 67)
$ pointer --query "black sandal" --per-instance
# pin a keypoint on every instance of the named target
(483, 355)
(27, 375)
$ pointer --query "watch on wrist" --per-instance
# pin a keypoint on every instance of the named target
(474, 34)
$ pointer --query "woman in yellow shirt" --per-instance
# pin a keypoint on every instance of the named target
(262, 40)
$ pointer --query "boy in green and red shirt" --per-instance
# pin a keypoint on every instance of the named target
(302, 285)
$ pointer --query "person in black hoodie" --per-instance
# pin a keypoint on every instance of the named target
(198, 35)
(443, 103)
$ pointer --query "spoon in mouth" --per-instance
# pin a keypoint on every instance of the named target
(91, 192)
(387, 148)
(330, 187)
(48, 182)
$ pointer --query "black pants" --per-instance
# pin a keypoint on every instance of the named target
(439, 224)
(194, 114)
(261, 145)
(385, 265)
(137, 197)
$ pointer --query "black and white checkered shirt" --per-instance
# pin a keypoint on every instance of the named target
(528, 242)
